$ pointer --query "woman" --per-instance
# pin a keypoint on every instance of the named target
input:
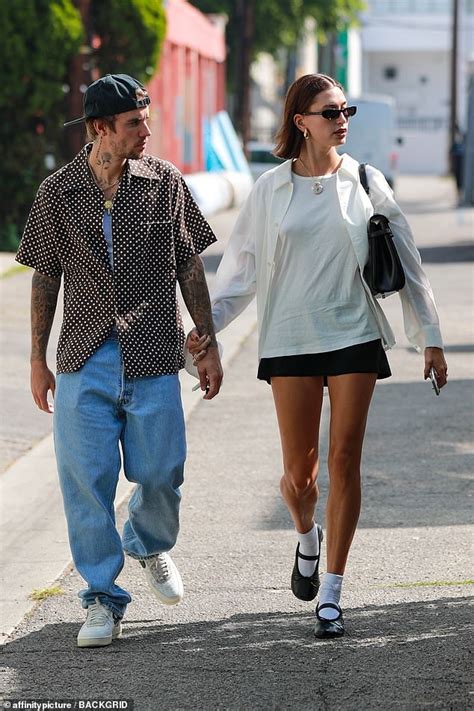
(300, 243)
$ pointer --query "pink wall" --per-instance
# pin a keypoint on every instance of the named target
(188, 87)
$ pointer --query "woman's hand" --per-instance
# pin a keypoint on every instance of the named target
(197, 345)
(434, 358)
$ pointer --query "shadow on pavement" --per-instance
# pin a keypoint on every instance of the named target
(447, 254)
(460, 348)
(404, 656)
(429, 255)
(428, 207)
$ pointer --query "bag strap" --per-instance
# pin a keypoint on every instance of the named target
(363, 178)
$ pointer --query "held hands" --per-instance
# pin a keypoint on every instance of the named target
(207, 360)
(42, 381)
(434, 358)
(197, 345)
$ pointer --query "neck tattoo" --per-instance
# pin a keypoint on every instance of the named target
(100, 182)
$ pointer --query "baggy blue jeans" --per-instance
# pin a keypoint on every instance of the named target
(97, 409)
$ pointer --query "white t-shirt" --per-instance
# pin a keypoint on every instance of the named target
(317, 302)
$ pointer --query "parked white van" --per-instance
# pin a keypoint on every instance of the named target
(371, 137)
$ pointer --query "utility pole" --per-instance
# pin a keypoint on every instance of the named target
(245, 14)
(79, 75)
(238, 64)
(454, 80)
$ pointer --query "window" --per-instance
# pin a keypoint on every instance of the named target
(390, 72)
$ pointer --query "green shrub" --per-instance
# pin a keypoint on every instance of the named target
(132, 33)
(38, 39)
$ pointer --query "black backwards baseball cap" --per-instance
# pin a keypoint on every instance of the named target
(110, 95)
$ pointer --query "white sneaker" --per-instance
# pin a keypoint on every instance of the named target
(164, 578)
(100, 627)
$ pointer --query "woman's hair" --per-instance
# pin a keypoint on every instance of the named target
(90, 128)
(299, 98)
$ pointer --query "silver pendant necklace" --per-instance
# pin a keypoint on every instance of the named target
(317, 186)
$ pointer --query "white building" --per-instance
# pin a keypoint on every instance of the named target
(406, 53)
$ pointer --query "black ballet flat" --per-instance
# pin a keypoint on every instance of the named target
(326, 629)
(302, 587)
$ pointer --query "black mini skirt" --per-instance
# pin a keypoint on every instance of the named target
(367, 357)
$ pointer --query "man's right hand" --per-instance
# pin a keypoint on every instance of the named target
(42, 381)
(197, 345)
(210, 373)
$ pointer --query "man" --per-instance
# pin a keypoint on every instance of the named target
(121, 228)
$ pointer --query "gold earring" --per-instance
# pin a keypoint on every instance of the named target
(306, 134)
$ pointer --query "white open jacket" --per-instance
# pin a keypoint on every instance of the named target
(251, 255)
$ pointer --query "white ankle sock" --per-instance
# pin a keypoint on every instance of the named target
(309, 545)
(330, 591)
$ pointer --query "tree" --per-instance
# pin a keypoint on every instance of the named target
(34, 63)
(43, 44)
(279, 23)
(122, 36)
(267, 26)
(131, 35)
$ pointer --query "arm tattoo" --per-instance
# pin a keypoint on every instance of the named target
(192, 282)
(44, 297)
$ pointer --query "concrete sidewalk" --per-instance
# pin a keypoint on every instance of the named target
(240, 640)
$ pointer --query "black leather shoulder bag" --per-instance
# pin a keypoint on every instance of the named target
(383, 272)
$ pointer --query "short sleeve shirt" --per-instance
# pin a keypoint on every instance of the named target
(156, 227)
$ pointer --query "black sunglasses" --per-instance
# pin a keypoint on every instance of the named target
(331, 114)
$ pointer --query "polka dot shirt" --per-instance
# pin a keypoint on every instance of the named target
(157, 226)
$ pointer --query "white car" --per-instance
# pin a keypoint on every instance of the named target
(371, 137)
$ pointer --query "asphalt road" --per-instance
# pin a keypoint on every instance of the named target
(240, 640)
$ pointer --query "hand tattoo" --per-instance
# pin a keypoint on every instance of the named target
(44, 297)
(192, 282)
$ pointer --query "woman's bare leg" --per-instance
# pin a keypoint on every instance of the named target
(298, 402)
(350, 397)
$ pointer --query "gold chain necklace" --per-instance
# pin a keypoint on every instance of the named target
(108, 204)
